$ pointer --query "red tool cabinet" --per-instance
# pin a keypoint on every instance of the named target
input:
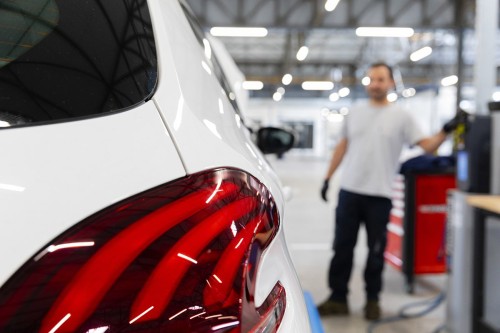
(417, 224)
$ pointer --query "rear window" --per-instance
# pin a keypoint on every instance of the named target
(67, 59)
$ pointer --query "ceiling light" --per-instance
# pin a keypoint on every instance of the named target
(421, 53)
(409, 92)
(384, 32)
(252, 85)
(317, 85)
(334, 97)
(277, 96)
(281, 90)
(302, 53)
(330, 5)
(287, 79)
(449, 80)
(344, 92)
(392, 97)
(496, 96)
(365, 81)
(238, 32)
(467, 105)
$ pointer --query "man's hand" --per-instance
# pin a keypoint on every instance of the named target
(324, 189)
(452, 124)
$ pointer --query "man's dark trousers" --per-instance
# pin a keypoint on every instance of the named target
(352, 210)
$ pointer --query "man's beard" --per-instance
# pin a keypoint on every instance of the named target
(378, 95)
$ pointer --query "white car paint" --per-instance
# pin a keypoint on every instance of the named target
(84, 166)
(200, 118)
(53, 176)
(195, 108)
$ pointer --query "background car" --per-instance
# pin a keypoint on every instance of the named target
(132, 198)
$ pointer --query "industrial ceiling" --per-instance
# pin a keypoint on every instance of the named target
(336, 53)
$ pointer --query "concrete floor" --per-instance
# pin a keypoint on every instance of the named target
(309, 233)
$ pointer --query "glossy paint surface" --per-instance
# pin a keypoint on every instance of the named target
(59, 174)
(56, 175)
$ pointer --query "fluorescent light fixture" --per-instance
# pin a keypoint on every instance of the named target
(344, 92)
(302, 53)
(449, 80)
(409, 92)
(365, 81)
(238, 32)
(421, 53)
(252, 85)
(384, 32)
(334, 97)
(277, 96)
(392, 97)
(287, 79)
(330, 5)
(467, 105)
(317, 85)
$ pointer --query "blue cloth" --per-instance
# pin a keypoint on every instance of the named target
(428, 163)
(314, 318)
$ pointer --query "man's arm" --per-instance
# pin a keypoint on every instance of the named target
(337, 156)
(431, 143)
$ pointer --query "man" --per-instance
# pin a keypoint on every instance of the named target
(372, 139)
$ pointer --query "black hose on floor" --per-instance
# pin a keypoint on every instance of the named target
(406, 313)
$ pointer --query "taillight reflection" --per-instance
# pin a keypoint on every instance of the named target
(178, 258)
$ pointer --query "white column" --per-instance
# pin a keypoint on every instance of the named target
(485, 71)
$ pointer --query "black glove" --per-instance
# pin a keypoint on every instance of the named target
(451, 125)
(324, 189)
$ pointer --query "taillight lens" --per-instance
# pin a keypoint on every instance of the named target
(182, 257)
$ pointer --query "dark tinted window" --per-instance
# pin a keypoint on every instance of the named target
(63, 59)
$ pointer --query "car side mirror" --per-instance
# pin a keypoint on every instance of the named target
(273, 140)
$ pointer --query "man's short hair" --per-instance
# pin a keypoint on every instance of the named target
(383, 64)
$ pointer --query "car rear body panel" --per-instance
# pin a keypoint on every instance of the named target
(197, 112)
(195, 107)
(56, 175)
(53, 176)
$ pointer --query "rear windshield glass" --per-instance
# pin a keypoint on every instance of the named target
(65, 59)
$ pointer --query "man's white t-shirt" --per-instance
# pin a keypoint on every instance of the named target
(375, 139)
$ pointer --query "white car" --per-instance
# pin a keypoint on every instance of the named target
(131, 196)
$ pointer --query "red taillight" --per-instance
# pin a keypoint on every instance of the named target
(179, 258)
